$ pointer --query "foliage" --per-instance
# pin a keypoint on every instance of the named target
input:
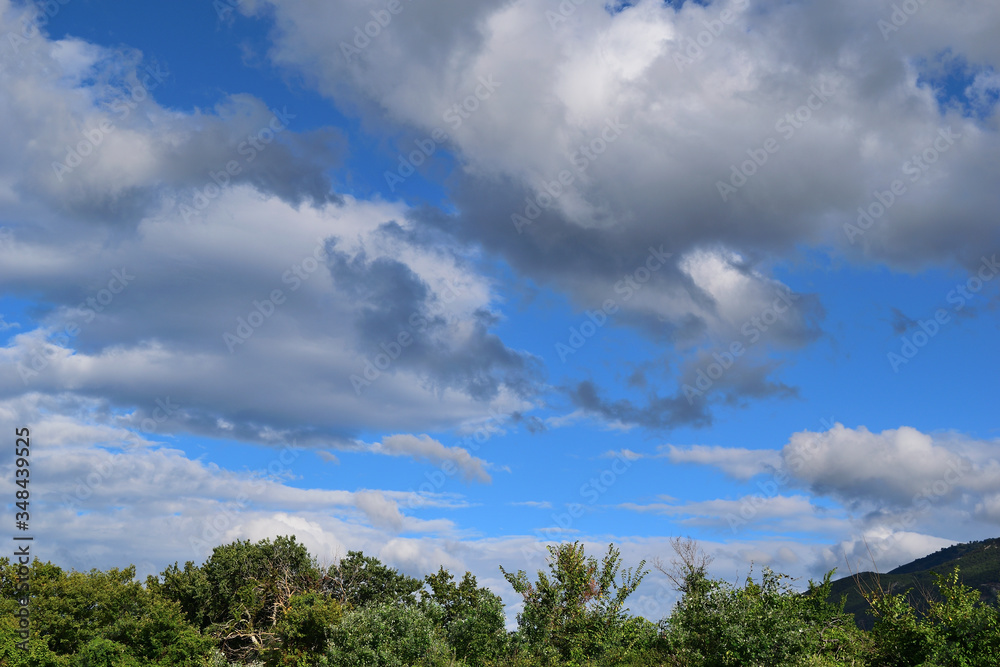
(766, 623)
(189, 587)
(472, 618)
(576, 610)
(267, 604)
(105, 653)
(956, 630)
(251, 587)
(304, 630)
(360, 581)
(387, 635)
(37, 655)
(101, 618)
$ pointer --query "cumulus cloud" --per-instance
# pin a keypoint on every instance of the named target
(896, 467)
(202, 258)
(560, 85)
(271, 309)
(91, 141)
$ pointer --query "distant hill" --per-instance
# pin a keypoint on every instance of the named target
(978, 563)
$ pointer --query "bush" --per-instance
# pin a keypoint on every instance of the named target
(104, 653)
(387, 636)
(957, 629)
(471, 618)
(304, 630)
(766, 623)
(574, 611)
(99, 618)
(38, 653)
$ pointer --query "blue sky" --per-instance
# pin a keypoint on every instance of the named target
(500, 274)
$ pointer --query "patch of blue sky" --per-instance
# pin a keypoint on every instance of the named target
(15, 317)
(972, 90)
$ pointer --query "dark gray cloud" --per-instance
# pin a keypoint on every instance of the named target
(658, 413)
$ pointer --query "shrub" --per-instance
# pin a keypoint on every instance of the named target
(766, 623)
(471, 618)
(387, 635)
(956, 630)
(575, 611)
(104, 653)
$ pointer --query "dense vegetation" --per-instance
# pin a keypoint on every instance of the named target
(979, 563)
(270, 604)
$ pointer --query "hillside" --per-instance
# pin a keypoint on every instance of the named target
(978, 563)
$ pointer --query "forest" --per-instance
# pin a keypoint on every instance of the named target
(270, 603)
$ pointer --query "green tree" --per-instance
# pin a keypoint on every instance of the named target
(360, 581)
(72, 609)
(97, 617)
(104, 653)
(577, 607)
(38, 653)
(966, 632)
(765, 624)
(899, 639)
(189, 587)
(956, 629)
(472, 618)
(304, 630)
(388, 635)
(251, 588)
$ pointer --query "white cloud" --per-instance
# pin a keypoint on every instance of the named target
(426, 448)
(537, 504)
(897, 467)
(736, 462)
(752, 512)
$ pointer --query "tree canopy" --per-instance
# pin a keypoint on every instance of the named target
(269, 603)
